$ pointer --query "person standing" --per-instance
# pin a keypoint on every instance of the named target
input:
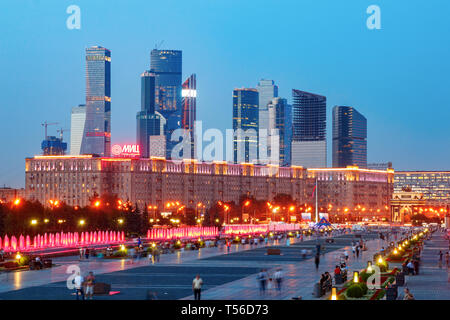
(317, 261)
(278, 276)
(90, 282)
(357, 251)
(408, 295)
(262, 278)
(86, 253)
(197, 287)
(157, 254)
(81, 253)
(78, 281)
(440, 258)
(228, 245)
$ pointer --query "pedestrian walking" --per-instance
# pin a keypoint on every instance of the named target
(228, 245)
(197, 287)
(357, 251)
(317, 261)
(440, 258)
(346, 255)
(78, 281)
(262, 278)
(278, 276)
(90, 281)
(157, 254)
(81, 253)
(86, 253)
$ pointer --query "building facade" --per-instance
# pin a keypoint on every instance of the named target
(167, 67)
(77, 123)
(148, 123)
(434, 185)
(245, 125)
(97, 129)
(309, 147)
(155, 181)
(349, 138)
(353, 191)
(189, 112)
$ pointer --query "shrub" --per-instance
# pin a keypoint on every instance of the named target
(363, 276)
(355, 291)
(177, 245)
(120, 253)
(363, 287)
(24, 261)
(384, 266)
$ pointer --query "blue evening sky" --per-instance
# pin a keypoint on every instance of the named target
(398, 77)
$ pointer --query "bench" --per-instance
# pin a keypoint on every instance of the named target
(273, 252)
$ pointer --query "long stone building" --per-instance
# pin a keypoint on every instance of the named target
(155, 181)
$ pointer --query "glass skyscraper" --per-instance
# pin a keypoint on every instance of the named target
(147, 121)
(309, 147)
(189, 110)
(245, 118)
(167, 67)
(77, 123)
(97, 130)
(349, 138)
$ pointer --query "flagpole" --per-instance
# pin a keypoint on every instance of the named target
(317, 208)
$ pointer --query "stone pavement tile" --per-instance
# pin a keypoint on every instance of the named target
(300, 277)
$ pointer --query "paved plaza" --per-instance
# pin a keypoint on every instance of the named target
(226, 275)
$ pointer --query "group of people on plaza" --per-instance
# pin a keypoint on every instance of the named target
(268, 283)
(84, 286)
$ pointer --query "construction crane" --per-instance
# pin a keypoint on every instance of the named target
(61, 131)
(158, 45)
(45, 125)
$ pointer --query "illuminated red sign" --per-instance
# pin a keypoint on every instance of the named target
(126, 150)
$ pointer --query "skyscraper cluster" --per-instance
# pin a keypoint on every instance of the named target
(266, 128)
(167, 104)
(300, 129)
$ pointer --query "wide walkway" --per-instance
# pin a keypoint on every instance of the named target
(24, 279)
(432, 281)
(299, 276)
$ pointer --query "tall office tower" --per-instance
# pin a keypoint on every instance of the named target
(287, 136)
(167, 67)
(77, 123)
(276, 126)
(267, 91)
(147, 121)
(97, 131)
(189, 110)
(309, 146)
(349, 138)
(245, 125)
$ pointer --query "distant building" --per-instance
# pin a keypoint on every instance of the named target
(53, 146)
(288, 136)
(267, 90)
(77, 123)
(157, 146)
(349, 138)
(148, 123)
(156, 181)
(309, 147)
(10, 194)
(189, 111)
(380, 166)
(245, 125)
(97, 130)
(167, 67)
(434, 185)
(275, 126)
